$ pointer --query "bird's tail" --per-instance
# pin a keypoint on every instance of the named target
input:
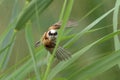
(62, 54)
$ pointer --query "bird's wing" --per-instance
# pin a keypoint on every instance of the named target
(37, 44)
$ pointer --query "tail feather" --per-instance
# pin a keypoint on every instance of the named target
(62, 54)
(58, 56)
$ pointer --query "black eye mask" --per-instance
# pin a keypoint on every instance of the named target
(52, 33)
(55, 34)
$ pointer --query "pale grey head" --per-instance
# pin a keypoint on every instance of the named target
(52, 34)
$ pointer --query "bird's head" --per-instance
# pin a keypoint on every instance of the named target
(52, 34)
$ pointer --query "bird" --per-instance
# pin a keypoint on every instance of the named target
(48, 40)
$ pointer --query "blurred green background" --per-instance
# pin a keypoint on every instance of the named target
(49, 16)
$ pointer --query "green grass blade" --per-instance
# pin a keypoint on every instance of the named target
(29, 40)
(63, 10)
(25, 68)
(11, 41)
(37, 13)
(75, 56)
(15, 11)
(6, 53)
(115, 24)
(9, 37)
(88, 13)
(64, 21)
(27, 13)
(3, 49)
(69, 43)
(101, 28)
(68, 37)
(98, 67)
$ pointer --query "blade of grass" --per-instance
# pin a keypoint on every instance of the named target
(4, 45)
(29, 40)
(75, 38)
(12, 33)
(62, 65)
(115, 24)
(15, 11)
(98, 67)
(7, 53)
(3, 49)
(10, 69)
(68, 37)
(93, 30)
(25, 68)
(64, 21)
(63, 10)
(9, 37)
(88, 13)
(37, 13)
(29, 11)
(5, 33)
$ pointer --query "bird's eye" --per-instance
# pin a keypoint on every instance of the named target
(55, 33)
(50, 33)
